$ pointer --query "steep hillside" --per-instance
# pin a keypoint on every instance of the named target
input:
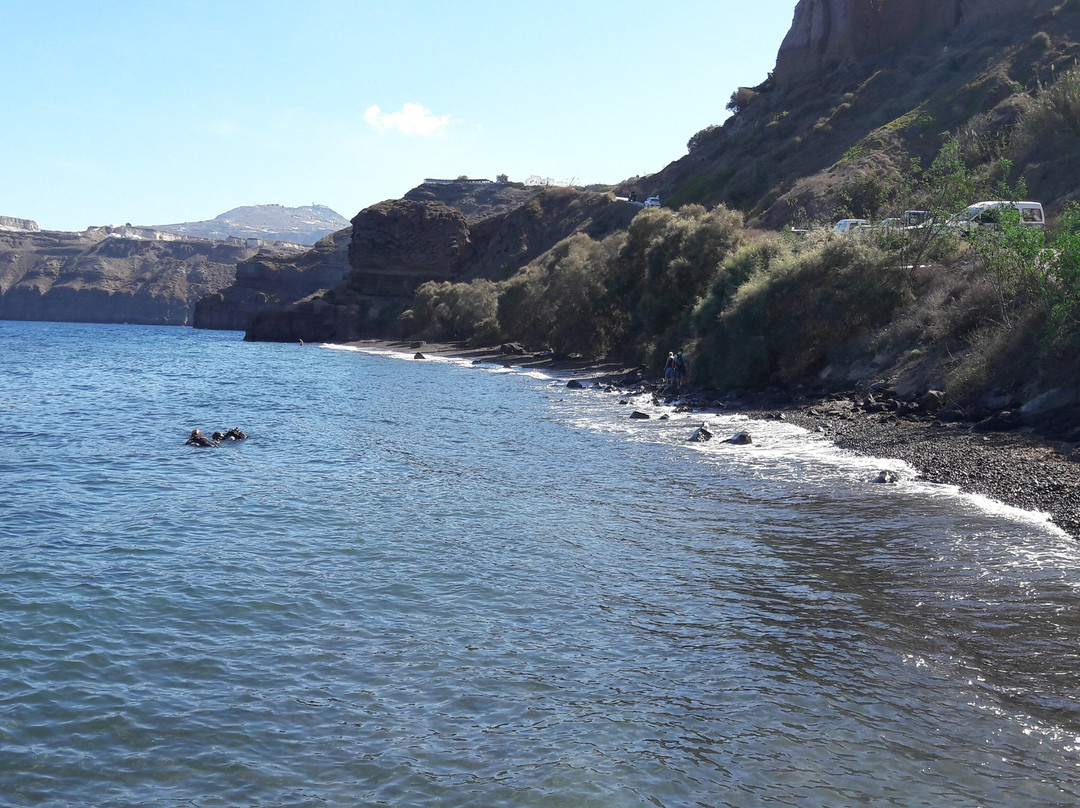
(302, 225)
(860, 88)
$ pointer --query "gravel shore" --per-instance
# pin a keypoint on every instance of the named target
(1015, 468)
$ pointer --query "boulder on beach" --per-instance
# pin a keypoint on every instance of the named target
(638, 415)
(932, 400)
(740, 439)
(574, 384)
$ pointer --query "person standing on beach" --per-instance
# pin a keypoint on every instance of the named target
(669, 369)
(680, 369)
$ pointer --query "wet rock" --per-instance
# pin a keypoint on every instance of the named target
(740, 439)
(574, 384)
(701, 434)
(638, 415)
(886, 477)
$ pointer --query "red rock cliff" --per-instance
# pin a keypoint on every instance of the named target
(826, 33)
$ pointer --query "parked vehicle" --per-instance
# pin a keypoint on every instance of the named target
(915, 218)
(988, 214)
(848, 226)
(652, 202)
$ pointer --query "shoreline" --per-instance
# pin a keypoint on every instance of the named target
(1015, 468)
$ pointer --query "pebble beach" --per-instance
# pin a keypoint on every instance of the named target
(1016, 468)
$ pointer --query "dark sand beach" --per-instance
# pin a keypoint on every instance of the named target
(1016, 467)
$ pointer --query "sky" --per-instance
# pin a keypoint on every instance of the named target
(168, 111)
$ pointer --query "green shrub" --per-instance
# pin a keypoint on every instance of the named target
(1051, 119)
(668, 261)
(455, 311)
(741, 99)
(796, 308)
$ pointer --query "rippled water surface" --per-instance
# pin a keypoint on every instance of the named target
(428, 583)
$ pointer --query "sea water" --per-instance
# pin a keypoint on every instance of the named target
(428, 583)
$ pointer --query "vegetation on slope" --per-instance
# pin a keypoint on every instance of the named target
(925, 308)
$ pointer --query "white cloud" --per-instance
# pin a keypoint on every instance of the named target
(412, 119)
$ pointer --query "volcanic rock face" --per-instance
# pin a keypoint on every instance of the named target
(826, 33)
(13, 223)
(476, 202)
(398, 244)
(101, 278)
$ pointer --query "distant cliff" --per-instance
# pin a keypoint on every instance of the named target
(109, 277)
(11, 223)
(302, 225)
(267, 281)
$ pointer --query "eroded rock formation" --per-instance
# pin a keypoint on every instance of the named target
(826, 34)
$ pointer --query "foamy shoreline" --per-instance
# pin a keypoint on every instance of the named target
(1014, 468)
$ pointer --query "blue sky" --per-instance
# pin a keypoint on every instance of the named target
(163, 111)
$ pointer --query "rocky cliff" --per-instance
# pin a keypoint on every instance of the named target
(12, 223)
(98, 276)
(397, 245)
(827, 35)
(863, 86)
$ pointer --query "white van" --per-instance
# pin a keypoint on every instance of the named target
(849, 226)
(987, 214)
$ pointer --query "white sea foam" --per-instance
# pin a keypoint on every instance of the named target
(777, 447)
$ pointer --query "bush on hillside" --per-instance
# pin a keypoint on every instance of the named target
(667, 262)
(1050, 121)
(444, 311)
(563, 301)
(795, 309)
